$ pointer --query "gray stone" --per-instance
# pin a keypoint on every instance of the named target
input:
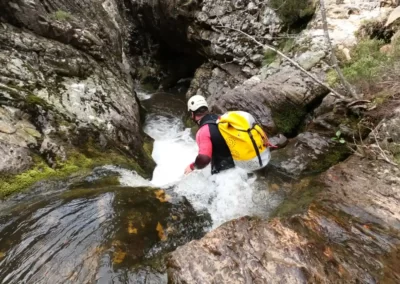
(14, 159)
(304, 154)
(324, 235)
(309, 59)
(6, 128)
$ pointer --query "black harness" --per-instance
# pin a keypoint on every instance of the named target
(221, 155)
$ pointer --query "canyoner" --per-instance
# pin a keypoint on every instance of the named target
(232, 139)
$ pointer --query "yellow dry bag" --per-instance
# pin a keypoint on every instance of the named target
(245, 138)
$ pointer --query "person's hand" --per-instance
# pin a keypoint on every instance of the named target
(188, 170)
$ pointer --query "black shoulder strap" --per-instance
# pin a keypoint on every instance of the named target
(255, 145)
(208, 119)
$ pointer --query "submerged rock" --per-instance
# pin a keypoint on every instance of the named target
(105, 230)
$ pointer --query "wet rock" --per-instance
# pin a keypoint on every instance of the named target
(307, 153)
(348, 231)
(146, 223)
(279, 141)
(166, 104)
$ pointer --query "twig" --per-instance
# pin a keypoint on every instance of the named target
(381, 151)
(294, 63)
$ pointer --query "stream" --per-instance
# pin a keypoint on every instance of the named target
(114, 226)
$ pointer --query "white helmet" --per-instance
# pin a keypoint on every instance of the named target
(196, 102)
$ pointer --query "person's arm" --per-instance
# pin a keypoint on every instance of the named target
(203, 139)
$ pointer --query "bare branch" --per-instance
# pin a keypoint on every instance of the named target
(294, 63)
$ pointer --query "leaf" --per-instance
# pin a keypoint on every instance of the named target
(132, 229)
(342, 140)
(338, 133)
(161, 233)
(393, 16)
(334, 138)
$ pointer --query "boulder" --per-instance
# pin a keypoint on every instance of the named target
(344, 228)
(279, 102)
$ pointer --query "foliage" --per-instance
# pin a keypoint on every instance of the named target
(291, 11)
(338, 137)
(366, 64)
(61, 15)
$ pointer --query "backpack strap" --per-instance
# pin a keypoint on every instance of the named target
(208, 119)
(255, 145)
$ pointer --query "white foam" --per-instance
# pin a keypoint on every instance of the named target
(227, 195)
(129, 178)
(142, 95)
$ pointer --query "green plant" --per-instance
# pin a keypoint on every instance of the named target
(366, 64)
(61, 15)
(338, 137)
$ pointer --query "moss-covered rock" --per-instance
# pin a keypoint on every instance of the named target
(76, 163)
(288, 118)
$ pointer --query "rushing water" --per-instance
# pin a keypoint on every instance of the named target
(228, 195)
(111, 228)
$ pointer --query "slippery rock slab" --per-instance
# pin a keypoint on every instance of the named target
(308, 152)
(349, 232)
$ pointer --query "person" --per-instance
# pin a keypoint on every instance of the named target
(212, 146)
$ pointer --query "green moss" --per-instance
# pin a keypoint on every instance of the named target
(61, 15)
(41, 171)
(291, 11)
(332, 78)
(76, 163)
(288, 118)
